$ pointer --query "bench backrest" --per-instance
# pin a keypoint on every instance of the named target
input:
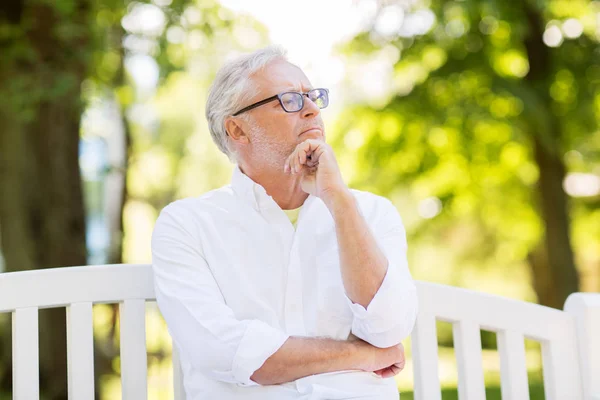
(563, 335)
(77, 289)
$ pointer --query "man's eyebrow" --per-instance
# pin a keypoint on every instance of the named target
(295, 89)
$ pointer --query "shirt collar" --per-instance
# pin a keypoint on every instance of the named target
(254, 193)
(243, 186)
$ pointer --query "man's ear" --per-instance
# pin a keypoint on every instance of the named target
(235, 130)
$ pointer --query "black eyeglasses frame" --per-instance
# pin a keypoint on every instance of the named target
(278, 97)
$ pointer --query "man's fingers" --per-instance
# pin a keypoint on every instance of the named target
(306, 153)
(301, 158)
(385, 372)
(302, 151)
(293, 162)
(390, 371)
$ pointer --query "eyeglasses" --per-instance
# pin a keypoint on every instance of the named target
(293, 101)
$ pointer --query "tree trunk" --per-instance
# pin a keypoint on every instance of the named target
(44, 61)
(554, 209)
(552, 263)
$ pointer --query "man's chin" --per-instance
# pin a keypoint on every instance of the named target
(312, 134)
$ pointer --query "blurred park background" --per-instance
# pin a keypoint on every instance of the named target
(478, 119)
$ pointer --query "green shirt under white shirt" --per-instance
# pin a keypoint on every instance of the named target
(293, 215)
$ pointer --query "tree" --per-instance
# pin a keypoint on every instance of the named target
(45, 57)
(57, 57)
(480, 115)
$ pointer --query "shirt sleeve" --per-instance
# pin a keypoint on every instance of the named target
(201, 324)
(390, 316)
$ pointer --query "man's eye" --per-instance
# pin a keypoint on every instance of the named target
(289, 102)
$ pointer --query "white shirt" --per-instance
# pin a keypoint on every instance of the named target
(234, 280)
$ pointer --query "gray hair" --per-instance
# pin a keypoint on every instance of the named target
(232, 88)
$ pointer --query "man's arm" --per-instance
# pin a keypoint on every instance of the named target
(300, 357)
(363, 264)
(374, 269)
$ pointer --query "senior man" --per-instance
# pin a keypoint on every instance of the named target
(285, 284)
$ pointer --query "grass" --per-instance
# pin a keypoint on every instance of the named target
(536, 392)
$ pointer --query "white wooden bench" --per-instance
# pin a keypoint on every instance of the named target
(570, 339)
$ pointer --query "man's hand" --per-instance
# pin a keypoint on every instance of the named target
(390, 371)
(321, 176)
(385, 362)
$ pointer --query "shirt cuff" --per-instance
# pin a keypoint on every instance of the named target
(379, 301)
(390, 314)
(259, 343)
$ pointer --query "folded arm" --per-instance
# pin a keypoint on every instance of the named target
(303, 356)
(375, 273)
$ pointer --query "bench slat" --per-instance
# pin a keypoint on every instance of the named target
(585, 308)
(425, 358)
(562, 379)
(80, 351)
(467, 346)
(513, 367)
(134, 363)
(25, 342)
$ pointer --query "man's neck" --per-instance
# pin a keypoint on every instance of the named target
(284, 188)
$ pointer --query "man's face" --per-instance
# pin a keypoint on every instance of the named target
(274, 133)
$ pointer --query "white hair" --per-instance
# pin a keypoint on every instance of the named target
(232, 88)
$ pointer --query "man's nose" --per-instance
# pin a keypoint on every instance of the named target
(310, 109)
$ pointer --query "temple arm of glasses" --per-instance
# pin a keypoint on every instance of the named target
(260, 103)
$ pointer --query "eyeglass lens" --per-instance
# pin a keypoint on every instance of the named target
(294, 101)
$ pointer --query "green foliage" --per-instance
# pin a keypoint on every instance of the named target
(171, 158)
(458, 121)
(32, 69)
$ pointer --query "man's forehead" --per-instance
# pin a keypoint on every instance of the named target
(281, 76)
